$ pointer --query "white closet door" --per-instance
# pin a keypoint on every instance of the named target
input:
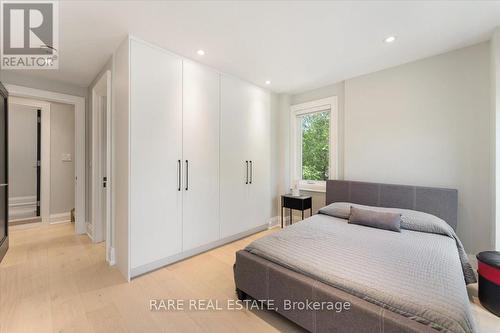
(201, 150)
(260, 154)
(155, 147)
(235, 101)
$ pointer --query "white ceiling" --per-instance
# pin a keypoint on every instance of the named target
(297, 45)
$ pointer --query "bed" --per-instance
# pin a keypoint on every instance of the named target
(412, 281)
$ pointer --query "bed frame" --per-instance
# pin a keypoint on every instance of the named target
(261, 279)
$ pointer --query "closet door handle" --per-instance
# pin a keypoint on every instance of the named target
(178, 175)
(187, 175)
(246, 162)
(251, 172)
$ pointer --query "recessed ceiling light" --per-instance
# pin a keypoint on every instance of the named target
(268, 82)
(200, 52)
(390, 39)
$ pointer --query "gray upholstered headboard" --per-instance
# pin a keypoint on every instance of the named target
(441, 202)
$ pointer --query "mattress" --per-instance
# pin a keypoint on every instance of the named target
(416, 274)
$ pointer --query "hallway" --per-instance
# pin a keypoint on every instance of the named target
(46, 284)
(52, 280)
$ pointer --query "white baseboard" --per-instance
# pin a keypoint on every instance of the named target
(112, 257)
(22, 212)
(136, 271)
(20, 201)
(90, 230)
(22, 207)
(60, 218)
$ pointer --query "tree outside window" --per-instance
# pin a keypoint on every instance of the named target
(315, 145)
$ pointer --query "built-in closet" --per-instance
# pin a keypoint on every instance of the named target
(191, 157)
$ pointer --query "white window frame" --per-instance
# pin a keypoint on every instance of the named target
(324, 104)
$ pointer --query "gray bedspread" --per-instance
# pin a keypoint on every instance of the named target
(418, 274)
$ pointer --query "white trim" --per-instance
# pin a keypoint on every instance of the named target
(79, 104)
(21, 208)
(112, 256)
(129, 154)
(90, 230)
(45, 163)
(101, 89)
(60, 218)
(17, 213)
(89, 234)
(22, 201)
(45, 153)
(134, 272)
(330, 103)
(24, 220)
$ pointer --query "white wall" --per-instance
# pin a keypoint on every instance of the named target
(495, 138)
(275, 158)
(120, 156)
(427, 123)
(62, 173)
(283, 110)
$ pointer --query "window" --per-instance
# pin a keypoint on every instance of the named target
(314, 144)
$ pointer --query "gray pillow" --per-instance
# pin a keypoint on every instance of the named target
(380, 220)
(337, 209)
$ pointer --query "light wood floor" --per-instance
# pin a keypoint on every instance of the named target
(54, 281)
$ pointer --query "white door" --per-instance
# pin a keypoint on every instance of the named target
(103, 172)
(201, 155)
(234, 162)
(155, 149)
(259, 131)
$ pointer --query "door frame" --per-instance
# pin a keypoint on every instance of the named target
(45, 151)
(101, 89)
(4, 242)
(79, 104)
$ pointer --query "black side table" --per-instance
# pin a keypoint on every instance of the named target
(301, 203)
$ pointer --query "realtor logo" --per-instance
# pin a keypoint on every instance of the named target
(29, 38)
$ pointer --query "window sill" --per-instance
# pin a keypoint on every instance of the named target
(321, 188)
(313, 190)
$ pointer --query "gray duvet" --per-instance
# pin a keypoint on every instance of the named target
(420, 272)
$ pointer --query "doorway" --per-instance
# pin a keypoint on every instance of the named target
(29, 160)
(44, 98)
(24, 165)
(41, 161)
(101, 227)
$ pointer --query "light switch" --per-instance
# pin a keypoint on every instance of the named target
(66, 157)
